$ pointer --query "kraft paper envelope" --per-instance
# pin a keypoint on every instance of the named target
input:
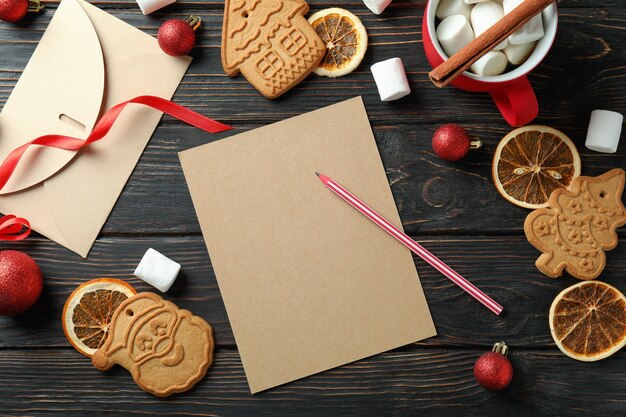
(86, 62)
(308, 282)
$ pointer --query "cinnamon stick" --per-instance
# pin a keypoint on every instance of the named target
(454, 66)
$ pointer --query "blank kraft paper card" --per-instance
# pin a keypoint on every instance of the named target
(308, 282)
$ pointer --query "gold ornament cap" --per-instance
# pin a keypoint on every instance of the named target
(500, 347)
(35, 6)
(475, 142)
(194, 21)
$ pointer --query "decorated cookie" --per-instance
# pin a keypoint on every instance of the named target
(578, 226)
(270, 43)
(167, 350)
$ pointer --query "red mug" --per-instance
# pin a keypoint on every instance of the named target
(511, 91)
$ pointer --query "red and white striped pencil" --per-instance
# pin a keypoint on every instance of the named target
(418, 249)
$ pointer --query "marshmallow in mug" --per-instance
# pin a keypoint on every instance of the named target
(490, 64)
(453, 33)
(377, 6)
(483, 16)
(474, 1)
(157, 270)
(518, 54)
(149, 6)
(532, 31)
(390, 79)
(451, 7)
(605, 128)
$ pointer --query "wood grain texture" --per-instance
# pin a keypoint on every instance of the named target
(501, 266)
(405, 382)
(453, 209)
(588, 39)
(351, 4)
(433, 196)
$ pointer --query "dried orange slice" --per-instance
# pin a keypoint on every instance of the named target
(588, 321)
(88, 310)
(531, 162)
(345, 38)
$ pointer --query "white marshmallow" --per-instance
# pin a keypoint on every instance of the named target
(474, 1)
(530, 32)
(149, 6)
(450, 7)
(377, 6)
(484, 15)
(157, 270)
(390, 79)
(605, 128)
(453, 33)
(518, 54)
(492, 63)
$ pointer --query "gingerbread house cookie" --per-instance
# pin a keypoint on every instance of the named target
(270, 43)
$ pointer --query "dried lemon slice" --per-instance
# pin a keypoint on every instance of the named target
(88, 310)
(588, 321)
(531, 162)
(345, 38)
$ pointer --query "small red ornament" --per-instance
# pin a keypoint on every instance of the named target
(177, 37)
(14, 10)
(452, 142)
(21, 282)
(493, 370)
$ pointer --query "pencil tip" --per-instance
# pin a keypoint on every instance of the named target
(317, 173)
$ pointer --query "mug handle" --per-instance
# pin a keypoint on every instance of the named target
(516, 101)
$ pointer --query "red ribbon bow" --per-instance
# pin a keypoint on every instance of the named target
(13, 228)
(11, 224)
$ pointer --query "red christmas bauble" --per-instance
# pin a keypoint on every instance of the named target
(493, 370)
(176, 37)
(21, 282)
(13, 10)
(452, 142)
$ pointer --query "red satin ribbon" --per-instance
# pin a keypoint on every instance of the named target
(13, 228)
(102, 128)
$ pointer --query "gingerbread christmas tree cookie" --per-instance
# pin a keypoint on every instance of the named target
(270, 43)
(578, 226)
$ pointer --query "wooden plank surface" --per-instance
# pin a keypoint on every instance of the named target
(433, 196)
(453, 209)
(406, 382)
(502, 266)
(587, 40)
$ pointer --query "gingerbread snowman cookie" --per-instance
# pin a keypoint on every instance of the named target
(167, 350)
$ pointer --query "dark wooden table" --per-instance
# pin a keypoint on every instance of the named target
(453, 209)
